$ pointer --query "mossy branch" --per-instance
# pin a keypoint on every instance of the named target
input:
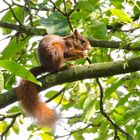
(78, 73)
(40, 32)
(23, 29)
(113, 45)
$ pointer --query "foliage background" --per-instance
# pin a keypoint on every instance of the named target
(113, 29)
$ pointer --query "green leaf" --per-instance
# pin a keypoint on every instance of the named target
(14, 47)
(79, 103)
(19, 70)
(103, 130)
(137, 136)
(137, 8)
(8, 17)
(138, 127)
(135, 44)
(34, 1)
(78, 136)
(117, 4)
(1, 81)
(50, 93)
(3, 126)
(99, 30)
(31, 127)
(132, 113)
(118, 118)
(54, 23)
(123, 17)
(9, 80)
(14, 109)
(90, 5)
(93, 2)
(130, 128)
(15, 128)
(89, 108)
(123, 100)
(113, 87)
(46, 136)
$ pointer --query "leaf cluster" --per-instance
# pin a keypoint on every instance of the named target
(79, 103)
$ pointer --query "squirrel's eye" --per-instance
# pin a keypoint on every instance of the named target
(83, 41)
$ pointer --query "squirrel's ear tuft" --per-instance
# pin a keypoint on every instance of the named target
(76, 33)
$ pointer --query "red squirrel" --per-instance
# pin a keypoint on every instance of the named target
(52, 52)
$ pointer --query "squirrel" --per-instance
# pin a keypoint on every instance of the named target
(52, 52)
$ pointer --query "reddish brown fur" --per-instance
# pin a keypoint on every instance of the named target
(27, 94)
(52, 51)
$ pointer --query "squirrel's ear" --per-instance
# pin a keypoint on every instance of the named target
(76, 33)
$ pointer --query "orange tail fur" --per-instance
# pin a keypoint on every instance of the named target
(27, 94)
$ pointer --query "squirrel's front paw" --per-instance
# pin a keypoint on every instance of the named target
(83, 54)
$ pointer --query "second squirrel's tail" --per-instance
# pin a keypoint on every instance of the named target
(27, 93)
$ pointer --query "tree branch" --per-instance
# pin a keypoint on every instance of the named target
(4, 133)
(56, 95)
(23, 29)
(112, 44)
(54, 5)
(78, 73)
(76, 131)
(34, 8)
(104, 113)
(9, 115)
(95, 43)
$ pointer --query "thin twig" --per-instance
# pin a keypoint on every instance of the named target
(23, 13)
(101, 103)
(56, 95)
(30, 14)
(4, 10)
(11, 115)
(73, 117)
(9, 36)
(76, 131)
(10, 7)
(34, 8)
(61, 99)
(10, 125)
(73, 9)
(116, 127)
(67, 15)
(103, 112)
(57, 8)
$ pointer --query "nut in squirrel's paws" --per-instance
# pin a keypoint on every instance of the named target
(86, 54)
(83, 54)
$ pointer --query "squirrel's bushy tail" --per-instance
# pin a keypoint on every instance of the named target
(27, 93)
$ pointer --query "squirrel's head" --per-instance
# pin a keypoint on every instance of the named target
(80, 43)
